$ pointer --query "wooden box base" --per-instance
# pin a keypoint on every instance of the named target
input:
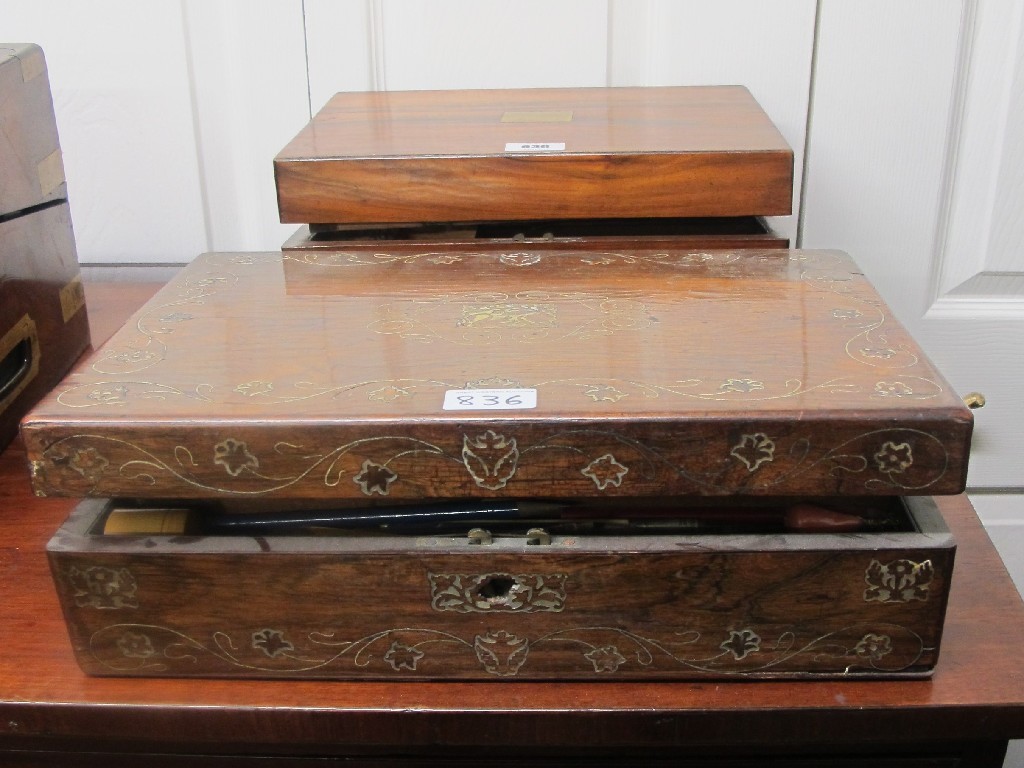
(732, 606)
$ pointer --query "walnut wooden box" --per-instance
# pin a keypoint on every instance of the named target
(625, 381)
(43, 324)
(696, 167)
(580, 607)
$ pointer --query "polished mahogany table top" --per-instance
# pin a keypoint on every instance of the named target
(975, 697)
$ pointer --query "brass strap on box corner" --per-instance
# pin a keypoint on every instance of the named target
(50, 171)
(19, 359)
(72, 297)
(33, 63)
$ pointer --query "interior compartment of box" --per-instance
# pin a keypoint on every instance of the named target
(660, 516)
(547, 229)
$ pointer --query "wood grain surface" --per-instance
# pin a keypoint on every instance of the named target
(583, 605)
(441, 156)
(974, 702)
(322, 375)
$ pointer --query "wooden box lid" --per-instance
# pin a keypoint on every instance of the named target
(324, 375)
(558, 153)
(31, 168)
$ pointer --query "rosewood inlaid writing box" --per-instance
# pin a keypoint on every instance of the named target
(696, 167)
(688, 392)
(43, 324)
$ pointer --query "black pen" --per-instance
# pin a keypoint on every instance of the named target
(397, 518)
(128, 520)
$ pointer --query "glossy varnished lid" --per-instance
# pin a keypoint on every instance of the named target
(412, 156)
(325, 375)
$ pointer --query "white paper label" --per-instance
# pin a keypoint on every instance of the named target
(538, 147)
(489, 399)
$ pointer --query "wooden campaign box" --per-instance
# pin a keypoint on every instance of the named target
(691, 167)
(676, 464)
(43, 324)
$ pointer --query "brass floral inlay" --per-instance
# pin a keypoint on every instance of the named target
(604, 471)
(401, 656)
(254, 388)
(235, 457)
(135, 645)
(900, 581)
(741, 643)
(894, 457)
(741, 385)
(501, 653)
(873, 647)
(375, 478)
(509, 315)
(893, 389)
(271, 642)
(495, 460)
(520, 259)
(128, 649)
(754, 450)
(491, 459)
(102, 587)
(501, 318)
(607, 658)
(89, 463)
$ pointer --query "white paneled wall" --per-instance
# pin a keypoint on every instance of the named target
(913, 167)
(247, 66)
(880, 130)
(170, 113)
(768, 47)
(342, 40)
(119, 75)
(473, 44)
